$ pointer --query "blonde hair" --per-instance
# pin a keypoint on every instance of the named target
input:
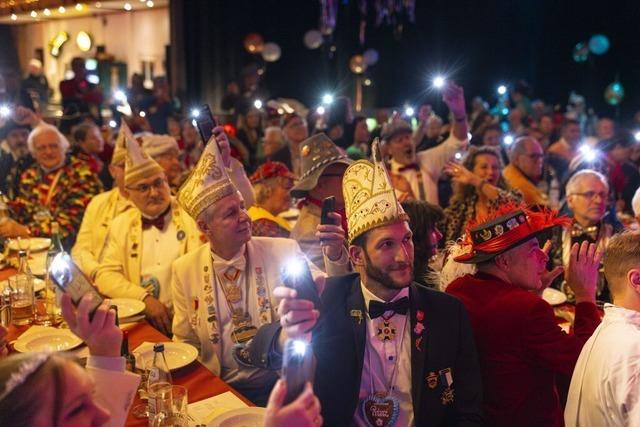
(621, 254)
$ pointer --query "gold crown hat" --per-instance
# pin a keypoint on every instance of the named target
(369, 198)
(138, 165)
(120, 148)
(207, 183)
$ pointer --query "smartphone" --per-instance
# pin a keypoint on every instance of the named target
(67, 276)
(328, 206)
(298, 367)
(206, 122)
(296, 275)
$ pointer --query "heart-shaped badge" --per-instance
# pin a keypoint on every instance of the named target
(380, 410)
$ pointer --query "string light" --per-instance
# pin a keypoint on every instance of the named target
(149, 3)
(14, 17)
(34, 14)
(78, 7)
(46, 12)
(127, 7)
(61, 9)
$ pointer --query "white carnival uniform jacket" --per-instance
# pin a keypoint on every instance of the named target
(192, 276)
(119, 274)
(92, 236)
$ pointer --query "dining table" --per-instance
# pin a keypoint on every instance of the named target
(198, 380)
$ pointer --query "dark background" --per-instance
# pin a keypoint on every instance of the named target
(478, 43)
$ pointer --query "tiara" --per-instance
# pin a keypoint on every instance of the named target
(24, 371)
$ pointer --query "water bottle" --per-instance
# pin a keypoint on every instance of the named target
(159, 383)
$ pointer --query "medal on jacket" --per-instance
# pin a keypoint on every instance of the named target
(381, 409)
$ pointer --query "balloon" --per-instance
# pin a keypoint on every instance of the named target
(313, 39)
(581, 52)
(599, 44)
(614, 93)
(371, 56)
(357, 64)
(271, 52)
(254, 43)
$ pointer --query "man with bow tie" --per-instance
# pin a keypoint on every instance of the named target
(587, 198)
(142, 243)
(423, 169)
(222, 291)
(389, 352)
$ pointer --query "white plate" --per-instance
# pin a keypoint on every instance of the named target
(38, 284)
(35, 244)
(128, 307)
(47, 340)
(554, 296)
(178, 354)
(243, 417)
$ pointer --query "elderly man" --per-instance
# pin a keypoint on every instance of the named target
(272, 182)
(525, 174)
(164, 150)
(605, 388)
(272, 142)
(520, 345)
(587, 198)
(383, 343)
(423, 169)
(14, 152)
(103, 208)
(223, 291)
(53, 189)
(143, 242)
(323, 165)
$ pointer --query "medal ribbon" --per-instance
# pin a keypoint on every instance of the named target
(52, 188)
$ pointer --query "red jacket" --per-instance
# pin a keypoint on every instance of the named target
(521, 348)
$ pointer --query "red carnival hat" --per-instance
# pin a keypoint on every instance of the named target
(271, 170)
(510, 225)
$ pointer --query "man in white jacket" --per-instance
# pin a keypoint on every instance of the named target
(605, 388)
(222, 292)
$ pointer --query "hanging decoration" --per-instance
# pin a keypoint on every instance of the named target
(614, 93)
(598, 44)
(357, 64)
(253, 43)
(313, 39)
(581, 52)
(271, 52)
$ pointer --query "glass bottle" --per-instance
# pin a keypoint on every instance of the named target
(159, 382)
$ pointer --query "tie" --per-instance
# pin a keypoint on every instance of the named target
(155, 222)
(412, 166)
(580, 233)
(377, 308)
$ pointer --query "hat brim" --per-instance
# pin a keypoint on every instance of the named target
(477, 257)
(309, 182)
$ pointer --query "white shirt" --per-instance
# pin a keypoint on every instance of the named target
(605, 388)
(380, 359)
(159, 249)
(431, 163)
(231, 372)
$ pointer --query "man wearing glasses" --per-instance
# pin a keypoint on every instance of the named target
(525, 174)
(142, 243)
(587, 198)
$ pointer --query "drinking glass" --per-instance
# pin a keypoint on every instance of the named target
(22, 299)
(171, 408)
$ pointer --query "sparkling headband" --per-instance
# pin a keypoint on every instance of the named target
(24, 371)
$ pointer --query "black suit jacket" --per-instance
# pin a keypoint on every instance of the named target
(447, 342)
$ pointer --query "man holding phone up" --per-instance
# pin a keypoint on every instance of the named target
(223, 291)
(389, 352)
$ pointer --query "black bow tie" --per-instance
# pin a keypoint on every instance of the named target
(155, 222)
(377, 308)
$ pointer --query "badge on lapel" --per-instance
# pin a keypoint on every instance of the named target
(446, 378)
(432, 380)
(418, 329)
(181, 235)
(357, 315)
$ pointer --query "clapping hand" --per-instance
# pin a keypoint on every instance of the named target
(101, 334)
(461, 175)
(549, 275)
(302, 412)
(583, 270)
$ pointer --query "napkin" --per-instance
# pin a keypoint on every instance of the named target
(204, 411)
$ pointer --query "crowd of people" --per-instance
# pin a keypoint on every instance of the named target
(430, 270)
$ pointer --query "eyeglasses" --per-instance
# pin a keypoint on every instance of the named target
(590, 195)
(145, 188)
